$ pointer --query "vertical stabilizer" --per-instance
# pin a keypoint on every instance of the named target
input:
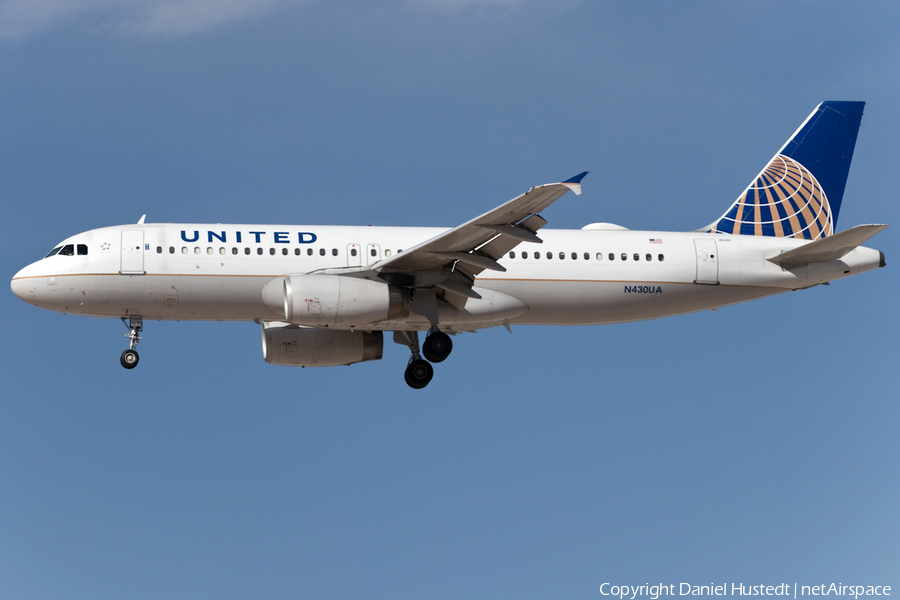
(799, 193)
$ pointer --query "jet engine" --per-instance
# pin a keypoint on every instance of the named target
(335, 300)
(295, 346)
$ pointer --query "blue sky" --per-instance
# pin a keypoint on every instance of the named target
(754, 444)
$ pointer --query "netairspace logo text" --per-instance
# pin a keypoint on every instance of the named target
(654, 592)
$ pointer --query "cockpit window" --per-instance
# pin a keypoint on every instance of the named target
(67, 250)
(53, 252)
(82, 249)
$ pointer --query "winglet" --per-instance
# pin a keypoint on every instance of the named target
(574, 183)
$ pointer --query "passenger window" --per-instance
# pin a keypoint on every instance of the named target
(284, 251)
(524, 255)
(587, 256)
(209, 250)
(624, 256)
(512, 254)
(247, 250)
(158, 249)
(222, 251)
(537, 254)
(352, 251)
(296, 251)
(562, 255)
(321, 251)
(612, 256)
(574, 256)
(637, 257)
(661, 258)
(259, 251)
(334, 251)
(184, 249)
(309, 252)
(599, 256)
(549, 255)
(196, 249)
(374, 252)
(68, 250)
(171, 249)
(649, 257)
(234, 251)
(272, 251)
(387, 252)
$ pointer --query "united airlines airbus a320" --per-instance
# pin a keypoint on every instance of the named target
(324, 296)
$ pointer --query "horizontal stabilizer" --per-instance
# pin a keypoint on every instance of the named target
(833, 247)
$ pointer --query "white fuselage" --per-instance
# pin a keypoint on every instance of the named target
(581, 277)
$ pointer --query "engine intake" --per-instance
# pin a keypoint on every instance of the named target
(294, 346)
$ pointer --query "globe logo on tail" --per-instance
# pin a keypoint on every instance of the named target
(785, 200)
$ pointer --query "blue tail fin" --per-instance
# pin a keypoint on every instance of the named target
(799, 192)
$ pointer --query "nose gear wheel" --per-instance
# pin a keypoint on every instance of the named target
(129, 359)
(135, 325)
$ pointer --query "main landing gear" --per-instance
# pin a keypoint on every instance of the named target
(436, 348)
(135, 325)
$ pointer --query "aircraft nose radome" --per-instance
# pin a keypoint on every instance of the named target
(22, 285)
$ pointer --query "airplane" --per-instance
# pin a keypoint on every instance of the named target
(325, 296)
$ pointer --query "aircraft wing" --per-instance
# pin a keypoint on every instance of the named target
(451, 260)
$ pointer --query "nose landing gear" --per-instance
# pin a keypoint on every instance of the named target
(135, 325)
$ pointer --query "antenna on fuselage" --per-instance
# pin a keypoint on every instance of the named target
(141, 220)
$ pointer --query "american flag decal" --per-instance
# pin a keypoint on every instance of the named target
(656, 240)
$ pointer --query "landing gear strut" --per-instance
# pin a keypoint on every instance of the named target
(135, 325)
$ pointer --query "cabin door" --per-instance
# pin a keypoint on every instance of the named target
(707, 261)
(132, 252)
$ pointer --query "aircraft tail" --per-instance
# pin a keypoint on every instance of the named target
(799, 193)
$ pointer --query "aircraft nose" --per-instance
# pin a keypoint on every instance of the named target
(22, 285)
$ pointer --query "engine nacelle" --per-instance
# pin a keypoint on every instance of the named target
(329, 300)
(293, 346)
